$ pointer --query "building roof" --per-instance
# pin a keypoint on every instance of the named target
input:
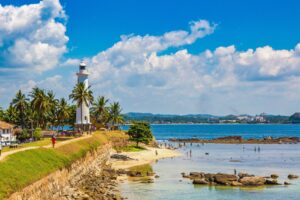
(5, 125)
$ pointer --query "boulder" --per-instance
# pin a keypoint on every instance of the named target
(150, 173)
(236, 183)
(286, 183)
(274, 176)
(196, 174)
(200, 181)
(292, 176)
(242, 175)
(209, 177)
(253, 181)
(271, 182)
(225, 179)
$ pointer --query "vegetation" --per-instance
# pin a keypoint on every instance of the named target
(100, 111)
(140, 132)
(41, 109)
(82, 95)
(23, 168)
(142, 168)
(129, 148)
(37, 134)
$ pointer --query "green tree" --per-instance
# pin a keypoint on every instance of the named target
(82, 95)
(100, 110)
(10, 115)
(40, 104)
(37, 134)
(52, 111)
(63, 112)
(20, 104)
(1, 113)
(140, 132)
(115, 116)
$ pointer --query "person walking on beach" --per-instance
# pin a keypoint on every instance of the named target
(156, 153)
(53, 140)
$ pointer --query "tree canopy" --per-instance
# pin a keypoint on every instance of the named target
(140, 132)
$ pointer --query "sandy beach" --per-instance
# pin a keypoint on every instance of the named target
(144, 157)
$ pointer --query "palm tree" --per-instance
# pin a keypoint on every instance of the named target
(63, 112)
(100, 110)
(20, 104)
(115, 116)
(82, 95)
(52, 109)
(40, 104)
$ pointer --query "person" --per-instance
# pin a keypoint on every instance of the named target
(53, 140)
(156, 153)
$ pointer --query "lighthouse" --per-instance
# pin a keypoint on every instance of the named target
(82, 111)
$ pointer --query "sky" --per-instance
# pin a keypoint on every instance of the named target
(176, 57)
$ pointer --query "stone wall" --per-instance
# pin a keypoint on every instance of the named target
(60, 184)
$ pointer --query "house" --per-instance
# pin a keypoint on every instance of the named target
(6, 133)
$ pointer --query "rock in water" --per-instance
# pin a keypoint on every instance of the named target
(271, 182)
(225, 179)
(292, 176)
(200, 181)
(253, 181)
(236, 183)
(274, 176)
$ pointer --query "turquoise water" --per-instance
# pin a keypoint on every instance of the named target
(281, 159)
(208, 131)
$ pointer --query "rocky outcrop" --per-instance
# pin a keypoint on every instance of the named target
(87, 178)
(242, 179)
(293, 176)
(253, 181)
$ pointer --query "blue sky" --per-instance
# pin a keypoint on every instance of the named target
(245, 60)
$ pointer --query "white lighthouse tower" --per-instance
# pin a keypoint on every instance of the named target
(82, 111)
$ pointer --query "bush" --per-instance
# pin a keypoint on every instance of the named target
(22, 135)
(140, 132)
(37, 134)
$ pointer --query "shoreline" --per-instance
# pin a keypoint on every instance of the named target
(147, 156)
(239, 140)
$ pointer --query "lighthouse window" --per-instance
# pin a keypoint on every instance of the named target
(85, 117)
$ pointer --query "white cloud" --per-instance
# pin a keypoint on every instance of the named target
(32, 39)
(222, 81)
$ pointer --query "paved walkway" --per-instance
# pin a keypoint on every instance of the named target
(5, 154)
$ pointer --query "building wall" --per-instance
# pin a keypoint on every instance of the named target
(83, 118)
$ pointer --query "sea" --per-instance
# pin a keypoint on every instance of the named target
(281, 159)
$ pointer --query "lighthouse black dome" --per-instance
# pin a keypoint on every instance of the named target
(82, 66)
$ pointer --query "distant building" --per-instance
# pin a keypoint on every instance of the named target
(6, 133)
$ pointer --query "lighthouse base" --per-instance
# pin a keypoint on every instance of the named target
(83, 128)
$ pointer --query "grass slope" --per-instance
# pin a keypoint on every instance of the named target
(23, 168)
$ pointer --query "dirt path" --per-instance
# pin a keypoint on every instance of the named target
(5, 154)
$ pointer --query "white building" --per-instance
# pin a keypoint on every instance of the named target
(6, 133)
(83, 112)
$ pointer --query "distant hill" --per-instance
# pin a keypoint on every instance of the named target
(207, 118)
(168, 118)
(295, 118)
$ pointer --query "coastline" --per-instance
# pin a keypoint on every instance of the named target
(143, 157)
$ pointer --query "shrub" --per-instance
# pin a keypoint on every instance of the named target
(37, 134)
(140, 132)
(22, 134)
